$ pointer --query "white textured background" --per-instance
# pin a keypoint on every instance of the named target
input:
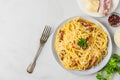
(21, 25)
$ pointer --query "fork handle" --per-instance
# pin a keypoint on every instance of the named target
(32, 65)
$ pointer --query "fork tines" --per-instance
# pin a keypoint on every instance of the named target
(46, 33)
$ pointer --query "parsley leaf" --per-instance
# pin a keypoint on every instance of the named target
(112, 67)
(82, 42)
(100, 77)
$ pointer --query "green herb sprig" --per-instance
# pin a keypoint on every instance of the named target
(112, 67)
(82, 42)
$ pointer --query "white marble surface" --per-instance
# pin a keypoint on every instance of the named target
(21, 25)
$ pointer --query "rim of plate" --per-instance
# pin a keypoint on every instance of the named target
(97, 67)
(115, 3)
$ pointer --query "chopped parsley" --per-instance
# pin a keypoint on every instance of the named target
(112, 67)
(82, 42)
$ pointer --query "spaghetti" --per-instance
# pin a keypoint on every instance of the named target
(71, 55)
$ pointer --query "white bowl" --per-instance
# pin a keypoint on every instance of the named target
(101, 64)
(114, 38)
(82, 6)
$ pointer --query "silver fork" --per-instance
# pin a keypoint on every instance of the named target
(43, 39)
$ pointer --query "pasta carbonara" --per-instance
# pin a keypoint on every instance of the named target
(75, 57)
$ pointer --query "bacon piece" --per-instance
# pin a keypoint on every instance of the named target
(62, 57)
(62, 54)
(84, 23)
(89, 38)
(104, 6)
(61, 35)
(92, 62)
(73, 63)
(90, 29)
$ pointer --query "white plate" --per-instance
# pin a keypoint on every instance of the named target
(82, 7)
(101, 64)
